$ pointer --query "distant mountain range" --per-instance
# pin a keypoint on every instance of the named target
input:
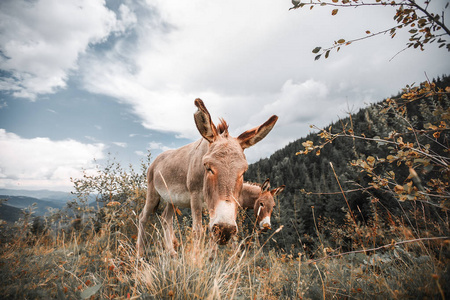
(39, 194)
(10, 214)
(11, 210)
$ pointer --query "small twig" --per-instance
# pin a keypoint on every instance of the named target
(380, 248)
(439, 160)
(348, 204)
(343, 193)
(352, 5)
(275, 232)
(317, 229)
(336, 193)
(321, 279)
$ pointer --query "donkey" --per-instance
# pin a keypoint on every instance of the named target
(208, 173)
(260, 199)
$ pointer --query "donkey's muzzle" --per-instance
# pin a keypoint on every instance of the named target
(223, 233)
(265, 227)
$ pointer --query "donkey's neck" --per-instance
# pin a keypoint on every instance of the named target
(249, 195)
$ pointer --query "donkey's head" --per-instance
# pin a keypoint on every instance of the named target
(265, 204)
(224, 168)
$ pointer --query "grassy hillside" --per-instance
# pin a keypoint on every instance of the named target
(104, 266)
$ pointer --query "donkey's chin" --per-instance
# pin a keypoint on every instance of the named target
(223, 232)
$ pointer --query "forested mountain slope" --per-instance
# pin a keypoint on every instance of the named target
(312, 192)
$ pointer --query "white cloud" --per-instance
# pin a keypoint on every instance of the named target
(41, 163)
(140, 153)
(42, 40)
(158, 146)
(120, 144)
(91, 138)
(246, 59)
(237, 56)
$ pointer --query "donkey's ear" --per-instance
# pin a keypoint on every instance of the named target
(252, 136)
(278, 190)
(203, 121)
(265, 186)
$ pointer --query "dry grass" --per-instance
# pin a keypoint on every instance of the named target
(103, 265)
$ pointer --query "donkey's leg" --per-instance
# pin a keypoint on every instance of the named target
(151, 203)
(167, 223)
(196, 209)
(197, 228)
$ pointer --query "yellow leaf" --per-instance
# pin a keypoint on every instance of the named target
(308, 144)
(371, 161)
(334, 12)
(391, 158)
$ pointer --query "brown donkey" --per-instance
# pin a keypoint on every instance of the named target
(205, 174)
(260, 199)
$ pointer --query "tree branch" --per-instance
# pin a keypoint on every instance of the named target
(381, 247)
(425, 11)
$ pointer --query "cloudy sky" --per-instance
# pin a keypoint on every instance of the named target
(81, 79)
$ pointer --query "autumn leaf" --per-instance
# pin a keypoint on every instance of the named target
(371, 161)
(113, 203)
(308, 144)
(391, 158)
(316, 50)
(334, 12)
(398, 189)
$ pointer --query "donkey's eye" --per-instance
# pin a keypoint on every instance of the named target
(209, 170)
(261, 204)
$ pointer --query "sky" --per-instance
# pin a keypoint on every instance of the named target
(87, 80)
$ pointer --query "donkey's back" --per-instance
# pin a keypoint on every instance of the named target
(175, 174)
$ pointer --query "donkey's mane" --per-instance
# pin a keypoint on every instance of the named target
(253, 183)
(222, 127)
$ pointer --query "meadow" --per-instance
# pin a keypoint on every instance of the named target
(82, 263)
